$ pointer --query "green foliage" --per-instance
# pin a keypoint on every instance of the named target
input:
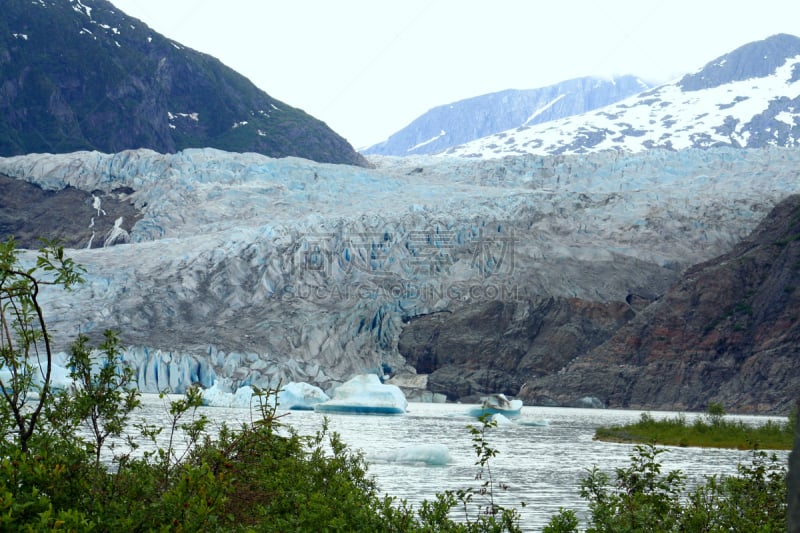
(642, 498)
(23, 334)
(103, 396)
(565, 521)
(715, 413)
(711, 430)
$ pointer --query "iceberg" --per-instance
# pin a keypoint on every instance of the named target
(365, 394)
(294, 396)
(542, 422)
(495, 404)
(501, 420)
(301, 396)
(427, 454)
(217, 396)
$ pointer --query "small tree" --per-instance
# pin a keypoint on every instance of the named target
(25, 351)
(715, 413)
(103, 396)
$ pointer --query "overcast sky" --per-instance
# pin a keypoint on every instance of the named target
(369, 67)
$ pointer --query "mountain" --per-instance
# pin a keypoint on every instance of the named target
(727, 332)
(243, 269)
(460, 122)
(748, 98)
(82, 75)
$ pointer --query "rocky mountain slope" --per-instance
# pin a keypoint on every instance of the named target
(82, 75)
(467, 120)
(245, 269)
(497, 346)
(747, 98)
(728, 332)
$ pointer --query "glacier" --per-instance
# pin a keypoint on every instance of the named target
(250, 270)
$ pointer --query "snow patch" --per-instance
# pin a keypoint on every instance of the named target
(544, 108)
(81, 8)
(442, 133)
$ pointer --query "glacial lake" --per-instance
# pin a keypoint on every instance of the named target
(541, 465)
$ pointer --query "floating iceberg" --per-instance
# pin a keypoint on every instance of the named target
(501, 420)
(296, 396)
(301, 396)
(216, 396)
(428, 454)
(497, 404)
(365, 394)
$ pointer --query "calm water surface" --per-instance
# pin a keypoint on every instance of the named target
(540, 465)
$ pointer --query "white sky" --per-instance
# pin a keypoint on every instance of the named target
(369, 67)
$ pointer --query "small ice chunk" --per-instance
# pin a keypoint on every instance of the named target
(428, 454)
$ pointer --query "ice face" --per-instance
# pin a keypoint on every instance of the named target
(259, 271)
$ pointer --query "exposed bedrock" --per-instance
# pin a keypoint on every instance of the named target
(496, 346)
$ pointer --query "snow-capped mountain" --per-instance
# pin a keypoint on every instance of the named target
(460, 122)
(747, 98)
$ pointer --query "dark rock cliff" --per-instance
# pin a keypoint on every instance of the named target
(728, 332)
(75, 218)
(496, 346)
(794, 481)
(85, 76)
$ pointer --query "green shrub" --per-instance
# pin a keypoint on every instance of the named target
(641, 498)
(710, 430)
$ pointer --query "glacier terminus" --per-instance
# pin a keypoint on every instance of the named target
(243, 269)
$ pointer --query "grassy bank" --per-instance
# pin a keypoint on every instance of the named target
(710, 431)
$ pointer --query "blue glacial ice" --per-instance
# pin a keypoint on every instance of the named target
(292, 396)
(365, 394)
(261, 271)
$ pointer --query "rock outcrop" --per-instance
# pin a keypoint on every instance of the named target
(794, 481)
(728, 332)
(496, 346)
(74, 217)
